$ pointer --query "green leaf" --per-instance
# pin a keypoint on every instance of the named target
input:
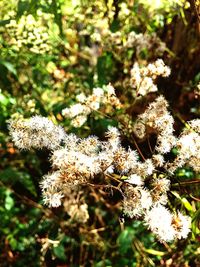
(155, 252)
(115, 25)
(57, 14)
(4, 22)
(184, 201)
(59, 252)
(11, 176)
(104, 65)
(125, 239)
(9, 66)
(104, 263)
(13, 243)
(9, 201)
(22, 7)
(3, 100)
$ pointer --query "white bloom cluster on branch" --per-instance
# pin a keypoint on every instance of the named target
(140, 42)
(77, 162)
(142, 78)
(157, 119)
(79, 112)
(145, 42)
(36, 132)
(188, 145)
(165, 225)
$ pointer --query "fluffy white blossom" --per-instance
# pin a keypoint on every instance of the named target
(136, 201)
(188, 145)
(145, 41)
(78, 162)
(157, 119)
(52, 199)
(143, 78)
(36, 132)
(74, 110)
(134, 179)
(159, 220)
(87, 104)
(182, 225)
(165, 225)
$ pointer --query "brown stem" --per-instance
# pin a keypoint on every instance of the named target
(138, 149)
(149, 144)
(187, 182)
(104, 186)
(195, 198)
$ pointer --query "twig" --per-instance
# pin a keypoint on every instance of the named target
(138, 149)
(104, 186)
(187, 182)
(149, 144)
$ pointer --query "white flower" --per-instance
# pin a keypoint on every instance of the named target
(112, 132)
(147, 86)
(52, 199)
(159, 220)
(182, 225)
(98, 92)
(143, 78)
(146, 200)
(134, 179)
(81, 98)
(195, 124)
(109, 89)
(165, 143)
(50, 181)
(187, 144)
(94, 105)
(37, 132)
(76, 110)
(148, 166)
(135, 75)
(79, 121)
(158, 160)
(66, 112)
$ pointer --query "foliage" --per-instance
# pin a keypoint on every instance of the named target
(50, 53)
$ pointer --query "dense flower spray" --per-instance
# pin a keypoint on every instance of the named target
(142, 79)
(87, 104)
(77, 161)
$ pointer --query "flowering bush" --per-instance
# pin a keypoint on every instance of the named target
(77, 161)
(102, 101)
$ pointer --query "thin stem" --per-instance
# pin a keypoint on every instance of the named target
(187, 182)
(138, 149)
(104, 186)
(149, 144)
(195, 198)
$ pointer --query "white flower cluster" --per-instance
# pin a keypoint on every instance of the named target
(29, 33)
(77, 162)
(188, 145)
(139, 41)
(150, 42)
(165, 225)
(142, 79)
(149, 203)
(157, 119)
(36, 132)
(80, 160)
(107, 38)
(79, 112)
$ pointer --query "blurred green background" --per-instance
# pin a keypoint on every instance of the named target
(52, 50)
